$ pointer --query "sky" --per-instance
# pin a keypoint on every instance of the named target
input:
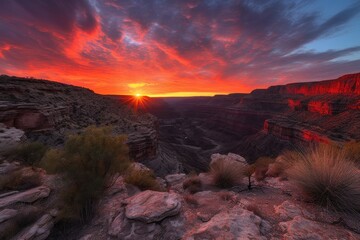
(179, 47)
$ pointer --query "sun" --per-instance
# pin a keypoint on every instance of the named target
(138, 95)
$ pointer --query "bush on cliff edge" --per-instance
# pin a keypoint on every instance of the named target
(88, 163)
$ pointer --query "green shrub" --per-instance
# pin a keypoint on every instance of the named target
(226, 174)
(28, 153)
(327, 177)
(18, 181)
(88, 162)
(143, 179)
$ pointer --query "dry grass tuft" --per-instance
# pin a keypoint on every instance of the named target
(191, 200)
(352, 151)
(18, 181)
(328, 177)
(261, 167)
(192, 184)
(143, 179)
(226, 173)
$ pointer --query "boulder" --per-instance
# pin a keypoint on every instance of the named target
(124, 228)
(28, 196)
(237, 223)
(151, 206)
(231, 157)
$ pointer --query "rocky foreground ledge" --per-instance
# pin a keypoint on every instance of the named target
(272, 210)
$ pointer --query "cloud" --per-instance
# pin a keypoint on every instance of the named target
(116, 46)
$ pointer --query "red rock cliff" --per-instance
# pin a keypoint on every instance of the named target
(347, 84)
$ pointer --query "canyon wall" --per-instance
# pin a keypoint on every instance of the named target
(49, 111)
(268, 120)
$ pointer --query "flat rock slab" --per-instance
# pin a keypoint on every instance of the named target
(301, 228)
(237, 223)
(28, 196)
(7, 214)
(151, 206)
(288, 210)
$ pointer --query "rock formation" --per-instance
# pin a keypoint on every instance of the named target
(213, 213)
(269, 120)
(49, 111)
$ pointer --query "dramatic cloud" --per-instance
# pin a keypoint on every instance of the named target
(167, 46)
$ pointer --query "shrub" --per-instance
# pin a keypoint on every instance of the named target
(282, 163)
(352, 151)
(226, 173)
(328, 177)
(28, 153)
(18, 181)
(88, 162)
(143, 179)
(192, 184)
(261, 167)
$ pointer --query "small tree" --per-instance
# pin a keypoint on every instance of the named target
(88, 163)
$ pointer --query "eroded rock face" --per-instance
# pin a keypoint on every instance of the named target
(7, 214)
(231, 157)
(28, 196)
(237, 223)
(10, 137)
(151, 206)
(48, 111)
(40, 229)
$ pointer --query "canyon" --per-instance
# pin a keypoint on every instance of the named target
(176, 135)
(261, 123)
(173, 137)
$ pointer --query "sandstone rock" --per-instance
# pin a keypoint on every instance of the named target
(124, 228)
(116, 225)
(289, 210)
(230, 157)
(7, 214)
(174, 179)
(39, 230)
(236, 223)
(28, 196)
(301, 228)
(10, 137)
(150, 206)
